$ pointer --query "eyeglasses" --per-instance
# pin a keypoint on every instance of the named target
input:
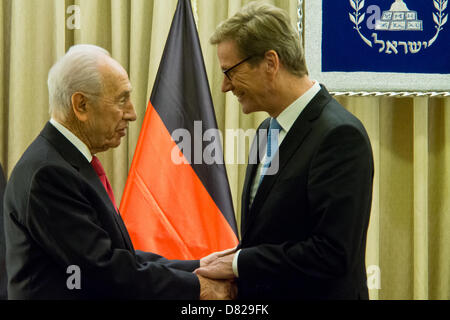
(226, 72)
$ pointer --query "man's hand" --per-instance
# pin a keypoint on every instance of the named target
(217, 289)
(213, 256)
(218, 268)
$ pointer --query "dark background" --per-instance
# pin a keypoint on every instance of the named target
(344, 50)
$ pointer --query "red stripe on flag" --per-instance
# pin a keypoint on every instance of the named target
(165, 206)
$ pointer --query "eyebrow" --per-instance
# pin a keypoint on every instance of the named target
(125, 93)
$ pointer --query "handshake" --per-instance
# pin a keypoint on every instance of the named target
(217, 280)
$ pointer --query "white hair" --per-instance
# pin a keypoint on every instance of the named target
(76, 71)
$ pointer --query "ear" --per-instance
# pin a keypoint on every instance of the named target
(79, 106)
(273, 62)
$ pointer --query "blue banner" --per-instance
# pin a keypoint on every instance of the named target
(391, 36)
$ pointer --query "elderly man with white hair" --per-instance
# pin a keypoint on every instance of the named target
(65, 238)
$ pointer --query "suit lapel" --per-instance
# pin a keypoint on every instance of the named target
(250, 173)
(293, 140)
(91, 176)
(71, 154)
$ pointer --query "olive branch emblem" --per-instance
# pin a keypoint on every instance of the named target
(358, 18)
(439, 18)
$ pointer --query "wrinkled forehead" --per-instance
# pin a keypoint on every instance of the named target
(114, 75)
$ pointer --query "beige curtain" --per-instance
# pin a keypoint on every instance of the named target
(408, 234)
(408, 254)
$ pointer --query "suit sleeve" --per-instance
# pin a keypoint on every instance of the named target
(339, 194)
(186, 265)
(61, 219)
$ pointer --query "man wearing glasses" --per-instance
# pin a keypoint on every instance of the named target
(304, 226)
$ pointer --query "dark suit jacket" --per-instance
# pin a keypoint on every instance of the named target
(57, 214)
(3, 293)
(304, 236)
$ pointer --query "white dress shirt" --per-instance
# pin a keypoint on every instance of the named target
(286, 119)
(73, 139)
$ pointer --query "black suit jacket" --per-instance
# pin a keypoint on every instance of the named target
(57, 213)
(304, 236)
(3, 292)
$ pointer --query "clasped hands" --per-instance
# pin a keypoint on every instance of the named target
(216, 276)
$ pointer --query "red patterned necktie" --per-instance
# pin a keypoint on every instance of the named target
(101, 174)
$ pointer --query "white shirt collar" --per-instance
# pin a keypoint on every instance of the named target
(287, 118)
(80, 145)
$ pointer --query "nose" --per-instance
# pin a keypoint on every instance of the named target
(227, 85)
(130, 113)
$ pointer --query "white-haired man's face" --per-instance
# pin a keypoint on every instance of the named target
(104, 122)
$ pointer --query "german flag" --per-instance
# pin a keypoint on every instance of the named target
(177, 200)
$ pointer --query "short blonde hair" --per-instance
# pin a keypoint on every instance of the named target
(259, 27)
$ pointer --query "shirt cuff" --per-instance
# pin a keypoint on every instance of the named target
(235, 263)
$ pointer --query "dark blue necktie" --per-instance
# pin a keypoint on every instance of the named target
(272, 146)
